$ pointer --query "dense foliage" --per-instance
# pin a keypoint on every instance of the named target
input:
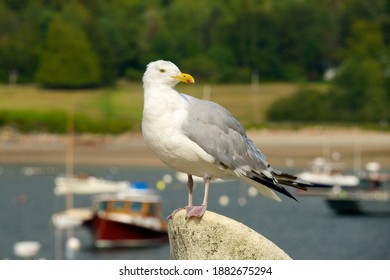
(90, 43)
(69, 60)
(78, 43)
(360, 91)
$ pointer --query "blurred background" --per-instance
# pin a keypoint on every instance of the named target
(306, 78)
(327, 60)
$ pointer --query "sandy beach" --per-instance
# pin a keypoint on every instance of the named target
(283, 148)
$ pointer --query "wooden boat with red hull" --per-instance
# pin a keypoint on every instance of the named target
(122, 214)
(129, 218)
(112, 234)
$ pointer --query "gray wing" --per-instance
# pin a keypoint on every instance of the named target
(215, 130)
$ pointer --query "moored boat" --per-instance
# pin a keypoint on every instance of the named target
(325, 175)
(122, 214)
(87, 185)
(130, 218)
(365, 193)
(372, 195)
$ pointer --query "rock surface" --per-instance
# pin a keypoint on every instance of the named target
(216, 237)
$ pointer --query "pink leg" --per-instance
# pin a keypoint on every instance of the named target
(198, 211)
(190, 189)
(190, 185)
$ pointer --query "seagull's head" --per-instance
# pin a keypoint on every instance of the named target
(163, 72)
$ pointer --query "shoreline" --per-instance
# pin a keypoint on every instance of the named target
(282, 147)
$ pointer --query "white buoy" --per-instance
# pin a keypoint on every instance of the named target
(27, 249)
(63, 221)
(289, 162)
(373, 166)
(242, 201)
(252, 192)
(73, 244)
(167, 178)
(224, 200)
(336, 156)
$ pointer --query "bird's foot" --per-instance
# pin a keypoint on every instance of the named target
(195, 211)
(191, 211)
(174, 213)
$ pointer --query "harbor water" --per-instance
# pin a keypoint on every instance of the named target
(305, 230)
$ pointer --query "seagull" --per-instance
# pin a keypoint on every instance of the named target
(201, 138)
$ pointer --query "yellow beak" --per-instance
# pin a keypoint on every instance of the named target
(186, 78)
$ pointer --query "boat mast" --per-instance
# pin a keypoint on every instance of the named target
(69, 157)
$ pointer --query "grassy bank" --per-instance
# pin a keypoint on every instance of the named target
(117, 109)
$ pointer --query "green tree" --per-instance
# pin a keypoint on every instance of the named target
(360, 91)
(20, 42)
(360, 88)
(355, 10)
(248, 31)
(68, 60)
(305, 105)
(115, 37)
(220, 40)
(195, 23)
(307, 34)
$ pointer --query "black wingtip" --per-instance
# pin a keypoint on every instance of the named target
(272, 185)
(286, 193)
(292, 181)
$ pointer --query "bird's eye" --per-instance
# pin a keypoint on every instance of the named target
(162, 70)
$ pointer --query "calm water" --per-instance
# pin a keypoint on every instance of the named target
(305, 230)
